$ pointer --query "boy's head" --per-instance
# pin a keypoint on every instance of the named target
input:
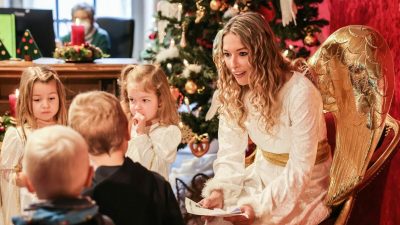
(99, 118)
(56, 162)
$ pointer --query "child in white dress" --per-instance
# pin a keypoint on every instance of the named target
(41, 103)
(152, 111)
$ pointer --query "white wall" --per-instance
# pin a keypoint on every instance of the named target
(143, 14)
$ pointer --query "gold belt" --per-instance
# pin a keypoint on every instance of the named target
(323, 153)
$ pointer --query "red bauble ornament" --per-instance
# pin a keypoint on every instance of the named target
(199, 148)
(268, 13)
(153, 36)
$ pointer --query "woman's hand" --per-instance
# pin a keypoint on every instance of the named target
(242, 220)
(215, 200)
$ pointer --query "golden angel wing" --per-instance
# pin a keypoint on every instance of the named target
(355, 75)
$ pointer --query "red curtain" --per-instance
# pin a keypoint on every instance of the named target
(384, 16)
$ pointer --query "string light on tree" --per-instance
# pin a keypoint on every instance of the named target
(169, 67)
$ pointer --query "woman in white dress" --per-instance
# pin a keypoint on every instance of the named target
(265, 97)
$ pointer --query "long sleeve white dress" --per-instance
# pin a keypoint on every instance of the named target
(291, 194)
(156, 150)
(14, 198)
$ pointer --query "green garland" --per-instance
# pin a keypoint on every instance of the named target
(79, 53)
(6, 121)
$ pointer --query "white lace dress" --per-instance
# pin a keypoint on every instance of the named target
(14, 198)
(291, 194)
(156, 150)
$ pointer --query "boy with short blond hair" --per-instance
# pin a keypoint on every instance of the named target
(56, 167)
(125, 191)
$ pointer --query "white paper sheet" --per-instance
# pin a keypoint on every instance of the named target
(196, 209)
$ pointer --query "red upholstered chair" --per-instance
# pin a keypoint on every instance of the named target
(363, 205)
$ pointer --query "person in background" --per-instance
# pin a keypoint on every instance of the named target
(93, 33)
(56, 166)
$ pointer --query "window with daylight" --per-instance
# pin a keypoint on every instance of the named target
(62, 10)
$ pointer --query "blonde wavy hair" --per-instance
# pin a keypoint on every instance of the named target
(29, 77)
(269, 70)
(151, 78)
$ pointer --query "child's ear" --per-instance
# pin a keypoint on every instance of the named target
(88, 182)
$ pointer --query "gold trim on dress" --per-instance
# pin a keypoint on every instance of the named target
(323, 153)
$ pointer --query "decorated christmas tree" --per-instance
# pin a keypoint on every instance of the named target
(183, 41)
(4, 55)
(28, 49)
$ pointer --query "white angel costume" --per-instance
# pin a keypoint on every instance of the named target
(280, 192)
(156, 150)
(14, 198)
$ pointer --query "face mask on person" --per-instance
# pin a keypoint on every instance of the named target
(87, 25)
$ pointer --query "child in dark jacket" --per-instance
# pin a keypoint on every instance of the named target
(124, 190)
(56, 167)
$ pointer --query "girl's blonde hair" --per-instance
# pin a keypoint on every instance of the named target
(269, 69)
(151, 78)
(24, 103)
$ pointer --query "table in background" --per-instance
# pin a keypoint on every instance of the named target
(77, 77)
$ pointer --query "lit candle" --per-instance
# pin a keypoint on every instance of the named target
(77, 33)
(12, 100)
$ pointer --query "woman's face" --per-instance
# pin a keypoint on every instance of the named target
(236, 57)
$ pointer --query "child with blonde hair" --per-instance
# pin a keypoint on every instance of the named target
(124, 190)
(41, 102)
(56, 166)
(155, 136)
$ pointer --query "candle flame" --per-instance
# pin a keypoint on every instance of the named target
(77, 21)
(16, 93)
